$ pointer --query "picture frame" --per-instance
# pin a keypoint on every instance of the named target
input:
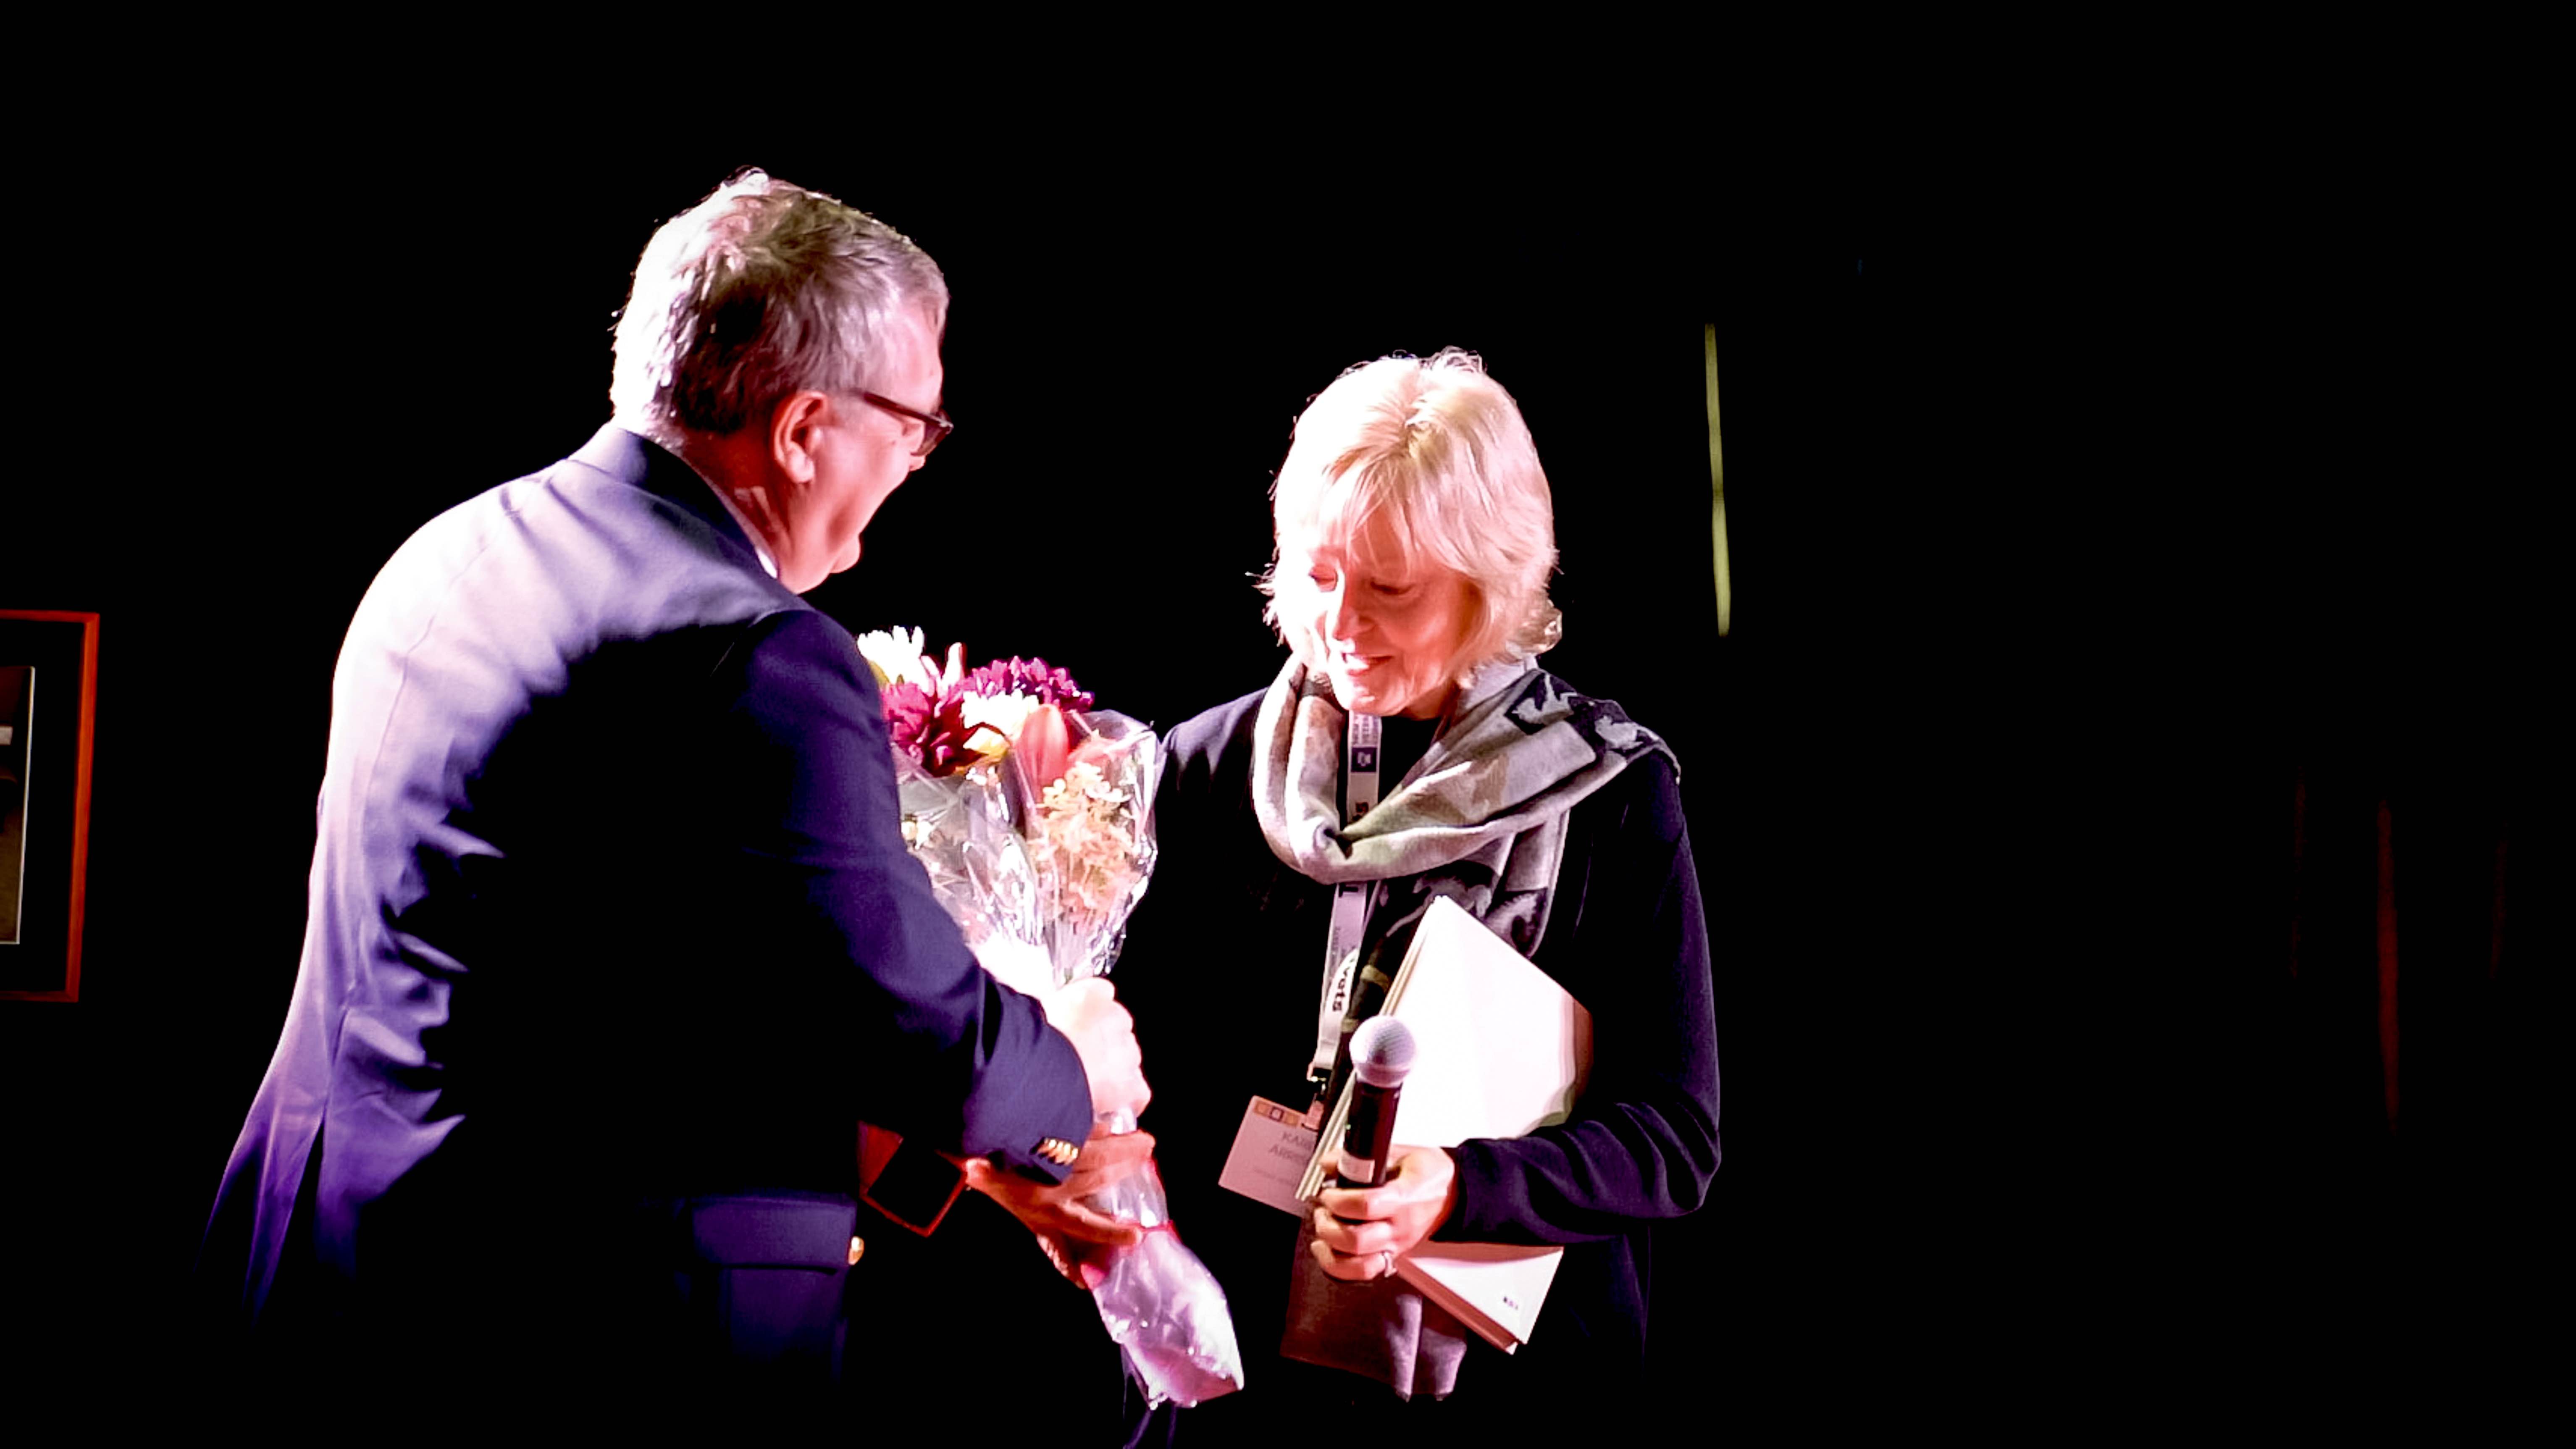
(48, 709)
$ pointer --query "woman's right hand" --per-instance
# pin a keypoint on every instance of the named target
(1360, 1232)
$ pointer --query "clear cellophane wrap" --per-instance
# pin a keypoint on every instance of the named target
(1041, 877)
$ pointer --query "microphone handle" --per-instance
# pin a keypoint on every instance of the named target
(1368, 1137)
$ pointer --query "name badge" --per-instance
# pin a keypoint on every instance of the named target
(1270, 1154)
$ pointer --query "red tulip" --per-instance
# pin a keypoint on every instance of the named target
(1043, 747)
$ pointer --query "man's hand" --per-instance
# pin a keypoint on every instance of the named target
(1104, 1036)
(1073, 1236)
(1359, 1232)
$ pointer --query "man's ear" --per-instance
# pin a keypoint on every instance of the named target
(792, 426)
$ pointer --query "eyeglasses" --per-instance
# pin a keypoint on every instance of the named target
(935, 427)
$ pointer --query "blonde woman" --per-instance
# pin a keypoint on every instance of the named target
(1414, 542)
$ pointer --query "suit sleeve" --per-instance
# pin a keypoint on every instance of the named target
(938, 1048)
(1643, 1141)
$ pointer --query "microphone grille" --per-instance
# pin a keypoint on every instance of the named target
(1382, 1051)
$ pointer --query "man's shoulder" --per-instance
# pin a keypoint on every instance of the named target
(577, 545)
(570, 494)
(611, 492)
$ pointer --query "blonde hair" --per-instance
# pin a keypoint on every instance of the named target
(1438, 447)
(761, 291)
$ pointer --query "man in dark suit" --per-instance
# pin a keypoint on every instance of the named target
(613, 936)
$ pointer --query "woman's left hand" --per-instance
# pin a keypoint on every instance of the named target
(1359, 1232)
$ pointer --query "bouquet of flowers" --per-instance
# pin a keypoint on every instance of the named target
(1032, 812)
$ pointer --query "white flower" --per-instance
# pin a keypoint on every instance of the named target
(896, 654)
(1004, 712)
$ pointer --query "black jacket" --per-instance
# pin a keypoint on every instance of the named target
(1222, 969)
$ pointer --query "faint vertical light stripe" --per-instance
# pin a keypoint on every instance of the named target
(1717, 483)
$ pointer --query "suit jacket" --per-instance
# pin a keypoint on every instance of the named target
(612, 935)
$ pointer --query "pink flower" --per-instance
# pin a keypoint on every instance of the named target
(1032, 677)
(936, 731)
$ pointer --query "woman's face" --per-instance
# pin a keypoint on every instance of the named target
(1390, 629)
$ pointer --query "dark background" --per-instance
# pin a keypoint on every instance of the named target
(2064, 551)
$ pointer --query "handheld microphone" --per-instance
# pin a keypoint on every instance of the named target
(1381, 1055)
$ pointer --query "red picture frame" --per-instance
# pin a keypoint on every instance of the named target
(48, 709)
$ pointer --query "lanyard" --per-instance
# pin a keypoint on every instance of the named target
(1350, 900)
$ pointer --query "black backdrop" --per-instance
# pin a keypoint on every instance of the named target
(1931, 774)
(1130, 340)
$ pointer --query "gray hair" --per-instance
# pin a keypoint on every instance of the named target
(1440, 447)
(761, 291)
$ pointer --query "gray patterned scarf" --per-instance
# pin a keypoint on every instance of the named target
(1480, 819)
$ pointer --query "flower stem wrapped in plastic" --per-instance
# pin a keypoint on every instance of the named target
(1159, 1301)
(1032, 813)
